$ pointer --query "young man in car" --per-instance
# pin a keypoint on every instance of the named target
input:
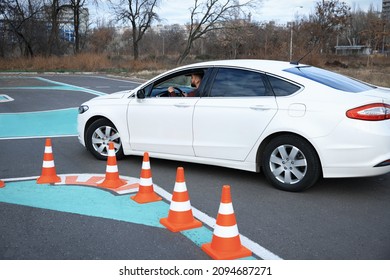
(196, 79)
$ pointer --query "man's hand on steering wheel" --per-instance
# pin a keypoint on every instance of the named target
(175, 91)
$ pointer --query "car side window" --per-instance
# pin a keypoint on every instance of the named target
(238, 83)
(160, 88)
(282, 87)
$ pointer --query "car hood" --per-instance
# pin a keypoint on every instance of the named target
(115, 95)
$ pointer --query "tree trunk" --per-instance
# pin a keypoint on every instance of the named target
(185, 53)
(135, 41)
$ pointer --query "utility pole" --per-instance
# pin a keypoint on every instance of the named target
(291, 33)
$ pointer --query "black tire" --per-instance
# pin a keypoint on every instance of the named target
(97, 137)
(290, 163)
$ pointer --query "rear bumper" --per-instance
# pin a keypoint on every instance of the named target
(342, 172)
(356, 149)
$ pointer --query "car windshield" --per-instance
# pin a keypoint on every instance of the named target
(330, 79)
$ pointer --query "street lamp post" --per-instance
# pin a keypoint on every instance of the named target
(291, 39)
(291, 34)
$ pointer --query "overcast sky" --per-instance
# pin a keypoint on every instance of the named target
(281, 11)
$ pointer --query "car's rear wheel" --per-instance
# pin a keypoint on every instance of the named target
(98, 136)
(290, 163)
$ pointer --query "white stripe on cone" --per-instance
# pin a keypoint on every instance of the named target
(146, 181)
(226, 231)
(180, 187)
(48, 164)
(145, 165)
(226, 208)
(180, 206)
(112, 168)
(111, 153)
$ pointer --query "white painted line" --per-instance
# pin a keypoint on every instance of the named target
(37, 137)
(256, 248)
(5, 98)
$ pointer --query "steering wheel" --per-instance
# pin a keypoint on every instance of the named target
(181, 93)
(166, 93)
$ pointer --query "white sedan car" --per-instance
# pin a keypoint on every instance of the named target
(296, 123)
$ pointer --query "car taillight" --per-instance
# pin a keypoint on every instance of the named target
(370, 112)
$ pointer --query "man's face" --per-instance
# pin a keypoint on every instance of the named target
(195, 80)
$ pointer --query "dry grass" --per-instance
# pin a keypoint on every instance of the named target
(82, 62)
(87, 62)
(374, 70)
(374, 75)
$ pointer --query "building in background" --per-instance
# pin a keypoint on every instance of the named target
(386, 10)
(66, 23)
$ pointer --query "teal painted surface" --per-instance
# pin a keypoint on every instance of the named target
(93, 202)
(46, 123)
(82, 200)
(58, 86)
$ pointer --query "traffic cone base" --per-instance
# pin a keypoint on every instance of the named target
(176, 227)
(2, 184)
(220, 254)
(180, 212)
(112, 183)
(48, 179)
(146, 197)
(48, 175)
(146, 192)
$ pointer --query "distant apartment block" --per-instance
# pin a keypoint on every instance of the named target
(66, 23)
(386, 9)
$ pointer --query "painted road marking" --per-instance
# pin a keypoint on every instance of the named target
(38, 124)
(95, 201)
(58, 86)
(5, 98)
(61, 122)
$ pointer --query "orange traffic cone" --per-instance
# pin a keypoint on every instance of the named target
(146, 192)
(2, 184)
(112, 180)
(226, 243)
(48, 175)
(180, 213)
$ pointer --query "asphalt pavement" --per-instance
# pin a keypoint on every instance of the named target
(338, 219)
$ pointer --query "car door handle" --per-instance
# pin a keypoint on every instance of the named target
(182, 105)
(260, 108)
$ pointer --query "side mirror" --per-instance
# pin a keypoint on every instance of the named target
(141, 94)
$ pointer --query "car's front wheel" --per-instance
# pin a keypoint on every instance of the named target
(290, 163)
(98, 136)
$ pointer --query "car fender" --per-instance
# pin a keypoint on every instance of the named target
(112, 110)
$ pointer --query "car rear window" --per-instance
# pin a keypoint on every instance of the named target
(281, 87)
(330, 79)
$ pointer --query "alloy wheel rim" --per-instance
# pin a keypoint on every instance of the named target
(102, 136)
(288, 164)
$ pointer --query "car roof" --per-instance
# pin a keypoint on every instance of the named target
(272, 66)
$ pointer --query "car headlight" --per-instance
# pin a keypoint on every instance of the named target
(83, 109)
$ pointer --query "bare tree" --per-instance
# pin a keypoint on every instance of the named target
(330, 18)
(209, 15)
(77, 7)
(101, 39)
(53, 10)
(140, 14)
(22, 18)
(374, 31)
